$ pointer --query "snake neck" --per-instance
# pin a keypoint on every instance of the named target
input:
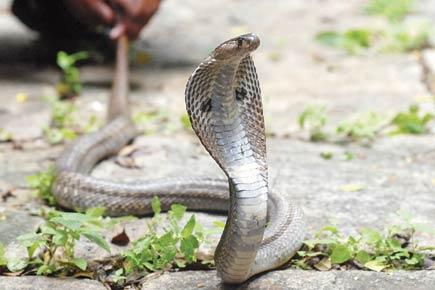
(248, 184)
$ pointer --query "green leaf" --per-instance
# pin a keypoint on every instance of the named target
(185, 121)
(352, 187)
(68, 223)
(371, 236)
(329, 38)
(348, 156)
(95, 212)
(330, 229)
(188, 228)
(98, 239)
(363, 257)
(3, 261)
(412, 261)
(155, 204)
(411, 122)
(167, 240)
(394, 244)
(340, 254)
(178, 211)
(16, 264)
(188, 247)
(394, 10)
(326, 155)
(80, 263)
(219, 224)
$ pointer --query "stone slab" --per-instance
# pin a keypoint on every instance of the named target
(44, 283)
(299, 280)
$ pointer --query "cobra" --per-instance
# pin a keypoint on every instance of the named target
(223, 100)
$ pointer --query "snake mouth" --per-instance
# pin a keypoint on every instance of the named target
(237, 47)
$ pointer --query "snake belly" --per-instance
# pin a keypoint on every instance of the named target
(223, 100)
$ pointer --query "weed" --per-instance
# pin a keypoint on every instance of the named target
(314, 119)
(177, 245)
(394, 11)
(161, 121)
(51, 250)
(41, 183)
(326, 155)
(393, 248)
(69, 84)
(397, 36)
(404, 37)
(411, 122)
(353, 41)
(348, 156)
(64, 125)
(5, 136)
(3, 261)
(363, 127)
(185, 122)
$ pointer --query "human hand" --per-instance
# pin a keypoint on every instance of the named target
(133, 14)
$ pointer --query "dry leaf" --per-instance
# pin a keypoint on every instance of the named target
(352, 187)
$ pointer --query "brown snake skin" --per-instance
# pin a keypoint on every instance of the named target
(223, 101)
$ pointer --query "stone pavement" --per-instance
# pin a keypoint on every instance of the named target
(397, 172)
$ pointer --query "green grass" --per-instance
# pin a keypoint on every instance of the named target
(353, 41)
(412, 121)
(176, 245)
(393, 10)
(397, 36)
(362, 127)
(314, 119)
(70, 84)
(41, 184)
(51, 249)
(394, 248)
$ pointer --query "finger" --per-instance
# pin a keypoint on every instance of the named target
(129, 7)
(104, 12)
(117, 31)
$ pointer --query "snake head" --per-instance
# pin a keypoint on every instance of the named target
(237, 47)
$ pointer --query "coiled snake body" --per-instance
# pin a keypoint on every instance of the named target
(223, 101)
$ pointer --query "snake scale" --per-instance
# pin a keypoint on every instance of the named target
(223, 100)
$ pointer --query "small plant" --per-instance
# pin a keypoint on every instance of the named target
(5, 136)
(41, 183)
(64, 125)
(404, 37)
(162, 121)
(62, 121)
(177, 245)
(363, 127)
(51, 249)
(348, 156)
(152, 121)
(411, 122)
(69, 85)
(353, 41)
(314, 119)
(393, 248)
(185, 122)
(397, 36)
(3, 261)
(326, 155)
(394, 10)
